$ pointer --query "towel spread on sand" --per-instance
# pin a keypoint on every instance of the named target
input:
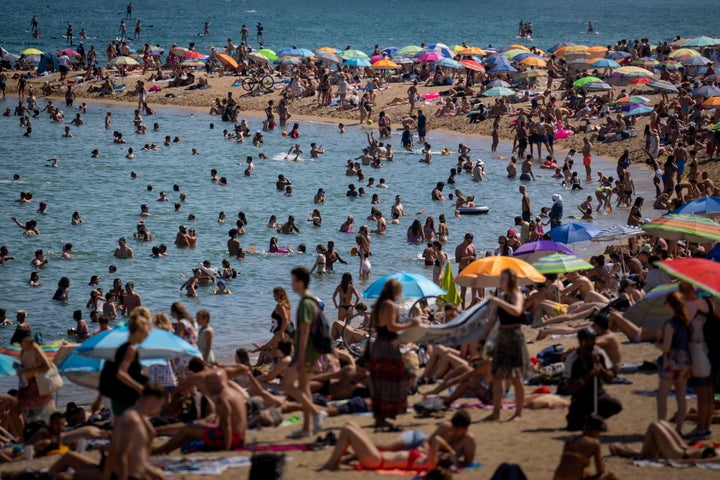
(199, 466)
(670, 463)
(416, 473)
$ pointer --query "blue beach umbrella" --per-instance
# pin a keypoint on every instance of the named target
(160, 344)
(706, 91)
(696, 61)
(714, 254)
(442, 48)
(498, 92)
(573, 232)
(617, 55)
(500, 67)
(6, 365)
(498, 83)
(358, 62)
(639, 110)
(295, 52)
(496, 59)
(391, 51)
(702, 42)
(448, 63)
(605, 63)
(706, 207)
(413, 286)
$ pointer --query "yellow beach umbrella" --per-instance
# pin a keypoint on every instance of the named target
(518, 47)
(684, 51)
(485, 272)
(630, 70)
(327, 49)
(571, 49)
(476, 51)
(712, 102)
(226, 60)
(597, 48)
(31, 51)
(533, 62)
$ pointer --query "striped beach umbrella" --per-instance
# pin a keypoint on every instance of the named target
(561, 263)
(651, 312)
(664, 86)
(618, 232)
(684, 51)
(689, 228)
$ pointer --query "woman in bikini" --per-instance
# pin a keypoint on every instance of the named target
(351, 436)
(343, 297)
(663, 442)
(281, 326)
(580, 450)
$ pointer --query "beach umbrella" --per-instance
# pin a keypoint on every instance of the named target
(582, 81)
(442, 48)
(579, 64)
(714, 78)
(641, 81)
(385, 65)
(348, 54)
(472, 51)
(226, 60)
(605, 63)
(31, 51)
(516, 46)
(651, 312)
(532, 74)
(714, 254)
(498, 83)
(295, 52)
(684, 51)
(485, 272)
(514, 53)
(472, 65)
(430, 57)
(389, 51)
(523, 55)
(326, 50)
(671, 65)
(574, 49)
(501, 68)
(269, 54)
(703, 41)
(179, 51)
(290, 61)
(49, 349)
(712, 102)
(69, 52)
(83, 371)
(125, 60)
(194, 56)
(632, 71)
(699, 272)
(646, 62)
(705, 207)
(534, 62)
(160, 344)
(598, 49)
(633, 99)
(447, 283)
(495, 59)
(696, 61)
(10, 57)
(618, 55)
(637, 110)
(664, 86)
(618, 232)
(689, 228)
(329, 57)
(358, 62)
(533, 251)
(192, 63)
(498, 92)
(413, 286)
(258, 58)
(403, 60)
(573, 232)
(409, 50)
(597, 86)
(560, 45)
(706, 91)
(561, 263)
(6, 365)
(448, 63)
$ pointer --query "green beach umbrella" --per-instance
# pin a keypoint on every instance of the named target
(513, 53)
(584, 80)
(409, 50)
(348, 54)
(267, 53)
(498, 92)
(561, 263)
(448, 284)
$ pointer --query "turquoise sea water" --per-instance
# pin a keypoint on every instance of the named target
(102, 191)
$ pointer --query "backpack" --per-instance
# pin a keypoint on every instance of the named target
(320, 331)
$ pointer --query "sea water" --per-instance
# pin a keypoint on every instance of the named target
(314, 23)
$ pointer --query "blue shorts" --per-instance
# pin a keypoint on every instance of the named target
(413, 439)
(680, 166)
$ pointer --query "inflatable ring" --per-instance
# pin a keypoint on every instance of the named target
(474, 210)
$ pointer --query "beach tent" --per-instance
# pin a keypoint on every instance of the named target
(48, 63)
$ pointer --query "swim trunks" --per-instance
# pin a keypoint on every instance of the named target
(413, 439)
(213, 437)
(587, 160)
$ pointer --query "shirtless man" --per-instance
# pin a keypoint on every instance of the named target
(437, 193)
(132, 298)
(123, 251)
(229, 433)
(587, 158)
(464, 255)
(182, 237)
(578, 290)
(233, 244)
(397, 210)
(131, 439)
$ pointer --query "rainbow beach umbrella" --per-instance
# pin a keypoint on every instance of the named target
(689, 228)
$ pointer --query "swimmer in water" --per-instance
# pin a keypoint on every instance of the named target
(52, 162)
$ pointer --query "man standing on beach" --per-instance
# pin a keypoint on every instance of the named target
(295, 381)
(131, 438)
(421, 126)
(244, 32)
(464, 255)
(587, 158)
(260, 33)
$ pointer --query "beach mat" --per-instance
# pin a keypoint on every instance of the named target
(199, 466)
(670, 463)
(200, 446)
(416, 473)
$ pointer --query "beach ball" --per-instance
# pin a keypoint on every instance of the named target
(369, 122)
(284, 133)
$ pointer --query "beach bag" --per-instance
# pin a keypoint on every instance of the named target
(49, 382)
(320, 331)
(267, 466)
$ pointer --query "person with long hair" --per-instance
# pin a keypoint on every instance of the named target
(281, 326)
(33, 362)
(510, 358)
(130, 380)
(415, 232)
(429, 228)
(388, 374)
(675, 367)
(343, 297)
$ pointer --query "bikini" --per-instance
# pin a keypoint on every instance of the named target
(413, 455)
(577, 455)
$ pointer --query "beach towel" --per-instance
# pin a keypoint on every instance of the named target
(200, 446)
(670, 463)
(199, 466)
(416, 473)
